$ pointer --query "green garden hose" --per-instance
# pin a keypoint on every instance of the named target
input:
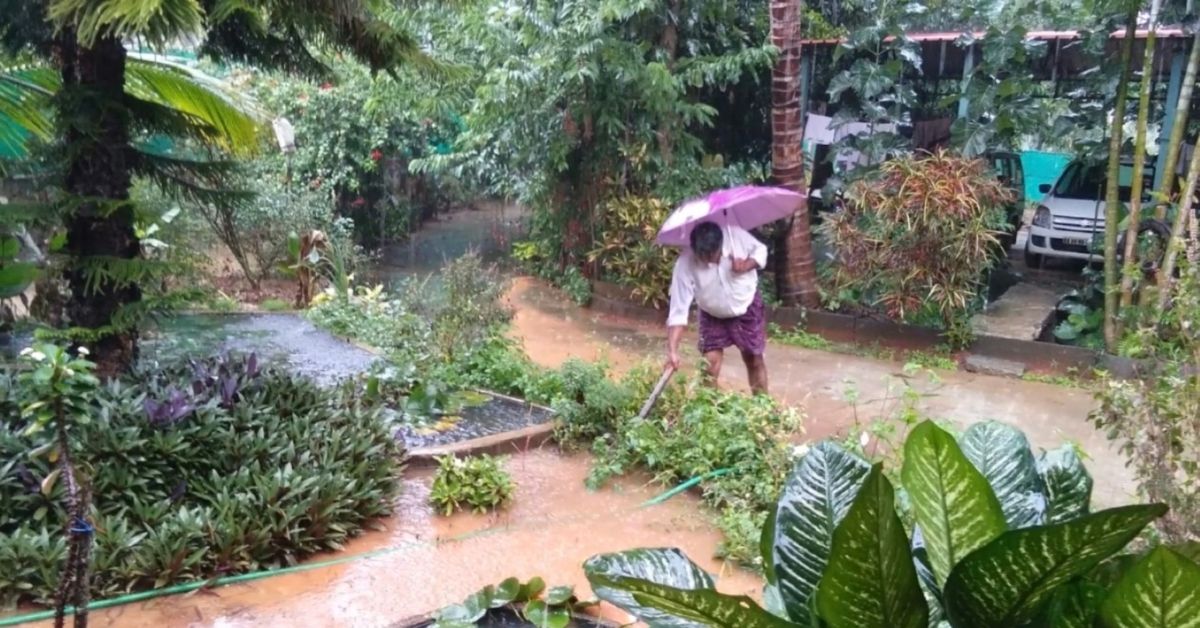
(685, 486)
(187, 587)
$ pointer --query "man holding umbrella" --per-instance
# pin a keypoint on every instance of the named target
(718, 270)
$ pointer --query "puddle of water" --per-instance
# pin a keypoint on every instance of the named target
(281, 338)
(552, 526)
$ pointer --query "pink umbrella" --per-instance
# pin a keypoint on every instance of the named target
(746, 206)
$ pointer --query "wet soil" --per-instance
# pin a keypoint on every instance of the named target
(551, 528)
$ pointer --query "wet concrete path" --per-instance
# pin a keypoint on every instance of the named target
(553, 330)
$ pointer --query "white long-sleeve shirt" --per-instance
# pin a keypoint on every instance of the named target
(715, 287)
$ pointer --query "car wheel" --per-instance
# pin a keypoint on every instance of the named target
(1032, 260)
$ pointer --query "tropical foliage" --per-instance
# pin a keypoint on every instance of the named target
(577, 102)
(916, 239)
(1152, 416)
(626, 251)
(475, 483)
(239, 467)
(106, 106)
(531, 601)
(1000, 539)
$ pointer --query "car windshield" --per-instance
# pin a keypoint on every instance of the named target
(1087, 182)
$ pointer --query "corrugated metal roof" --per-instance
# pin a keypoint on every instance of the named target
(1162, 33)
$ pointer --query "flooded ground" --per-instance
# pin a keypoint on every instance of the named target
(836, 390)
(552, 526)
(285, 339)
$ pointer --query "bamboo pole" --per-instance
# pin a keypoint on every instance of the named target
(1179, 128)
(1112, 196)
(1129, 268)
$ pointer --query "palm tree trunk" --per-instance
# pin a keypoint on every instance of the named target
(798, 278)
(100, 230)
(1139, 166)
(1179, 127)
(1112, 198)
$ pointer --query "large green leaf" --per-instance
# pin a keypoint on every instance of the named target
(1074, 605)
(871, 581)
(691, 607)
(953, 503)
(1006, 582)
(819, 491)
(668, 567)
(929, 584)
(1161, 591)
(15, 278)
(1067, 483)
(228, 122)
(1002, 454)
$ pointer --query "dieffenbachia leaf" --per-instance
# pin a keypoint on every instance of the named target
(1074, 605)
(1002, 454)
(1007, 582)
(608, 574)
(694, 607)
(929, 584)
(953, 503)
(1161, 591)
(819, 491)
(1067, 483)
(871, 581)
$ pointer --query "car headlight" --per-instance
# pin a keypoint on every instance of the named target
(1042, 217)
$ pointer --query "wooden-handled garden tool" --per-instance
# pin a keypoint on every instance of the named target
(657, 392)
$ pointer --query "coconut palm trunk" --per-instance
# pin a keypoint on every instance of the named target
(100, 231)
(1112, 198)
(798, 277)
(1129, 268)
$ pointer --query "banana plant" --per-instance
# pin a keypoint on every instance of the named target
(999, 538)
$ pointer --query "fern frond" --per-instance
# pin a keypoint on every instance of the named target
(159, 21)
(230, 125)
(25, 110)
(189, 180)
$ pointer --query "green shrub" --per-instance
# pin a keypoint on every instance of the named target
(917, 238)
(693, 431)
(1154, 416)
(477, 483)
(626, 249)
(275, 305)
(1006, 539)
(203, 469)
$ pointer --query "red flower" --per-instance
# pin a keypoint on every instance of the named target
(376, 155)
(326, 86)
(359, 202)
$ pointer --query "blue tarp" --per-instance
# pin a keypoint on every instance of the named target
(1041, 168)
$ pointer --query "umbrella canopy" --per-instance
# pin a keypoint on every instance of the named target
(747, 206)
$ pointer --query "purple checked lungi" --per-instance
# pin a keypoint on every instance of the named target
(747, 332)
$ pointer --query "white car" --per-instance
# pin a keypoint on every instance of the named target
(1069, 222)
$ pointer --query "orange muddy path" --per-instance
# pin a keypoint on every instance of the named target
(553, 525)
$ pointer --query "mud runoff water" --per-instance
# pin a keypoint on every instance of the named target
(551, 528)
